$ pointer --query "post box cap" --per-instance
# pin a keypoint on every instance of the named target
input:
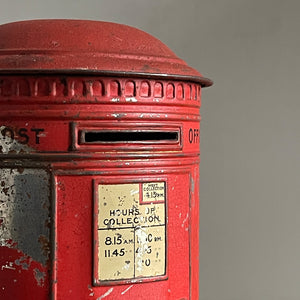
(95, 47)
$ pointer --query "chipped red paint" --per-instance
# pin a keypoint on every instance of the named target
(22, 277)
(59, 97)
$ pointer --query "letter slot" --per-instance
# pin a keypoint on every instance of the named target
(114, 136)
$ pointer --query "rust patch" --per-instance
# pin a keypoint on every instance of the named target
(20, 170)
(45, 244)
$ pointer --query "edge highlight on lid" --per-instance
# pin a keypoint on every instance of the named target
(94, 47)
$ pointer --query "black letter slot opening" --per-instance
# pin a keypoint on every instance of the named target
(126, 136)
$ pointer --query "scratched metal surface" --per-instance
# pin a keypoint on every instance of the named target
(24, 198)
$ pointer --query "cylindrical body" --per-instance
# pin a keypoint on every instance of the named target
(99, 164)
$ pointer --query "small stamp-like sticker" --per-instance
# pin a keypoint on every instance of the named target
(154, 191)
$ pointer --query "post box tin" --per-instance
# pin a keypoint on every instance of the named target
(99, 164)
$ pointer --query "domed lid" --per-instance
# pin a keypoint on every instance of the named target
(76, 46)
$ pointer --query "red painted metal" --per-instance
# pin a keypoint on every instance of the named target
(91, 46)
(65, 84)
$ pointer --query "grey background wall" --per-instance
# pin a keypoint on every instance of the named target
(250, 139)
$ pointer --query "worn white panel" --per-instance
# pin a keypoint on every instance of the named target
(131, 230)
(24, 211)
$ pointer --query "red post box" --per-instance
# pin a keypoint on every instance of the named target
(99, 162)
